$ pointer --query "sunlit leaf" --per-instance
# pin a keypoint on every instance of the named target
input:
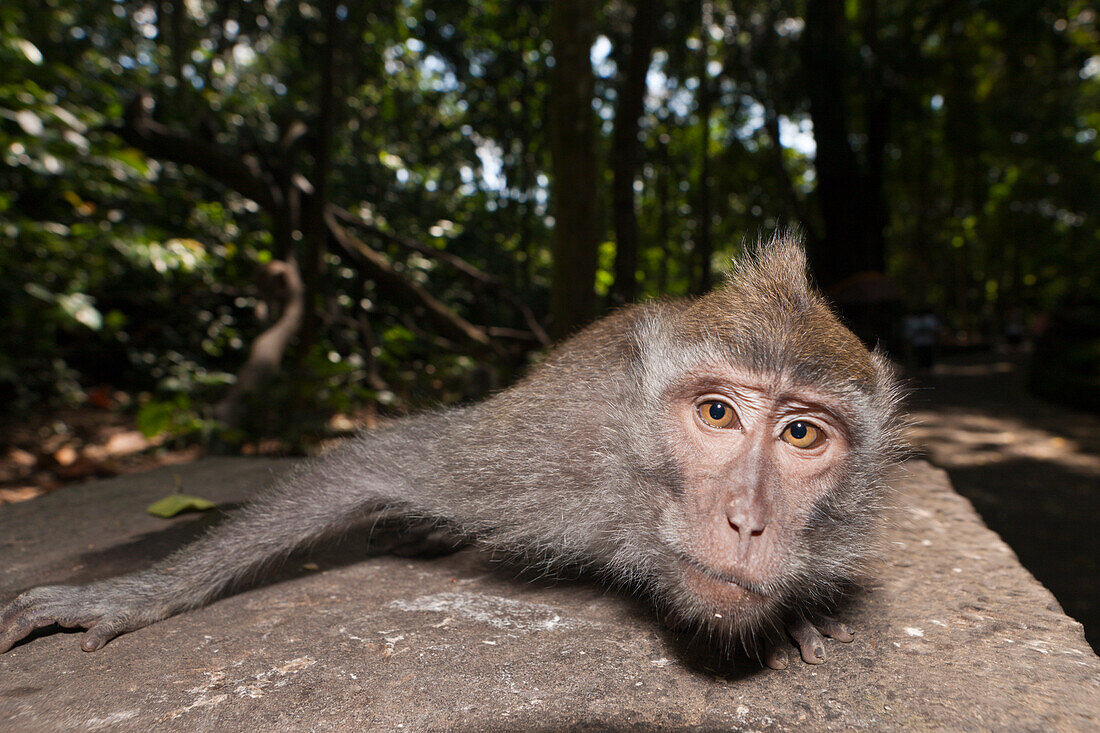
(79, 307)
(174, 504)
(30, 122)
(155, 418)
(37, 291)
(29, 50)
(132, 158)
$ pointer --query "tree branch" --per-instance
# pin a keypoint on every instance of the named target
(403, 290)
(221, 163)
(464, 268)
(266, 352)
(247, 176)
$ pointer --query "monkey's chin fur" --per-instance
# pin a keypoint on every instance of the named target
(725, 611)
(726, 616)
(718, 592)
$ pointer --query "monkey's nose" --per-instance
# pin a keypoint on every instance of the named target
(746, 525)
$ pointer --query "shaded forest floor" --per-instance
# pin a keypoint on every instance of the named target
(68, 446)
(1031, 469)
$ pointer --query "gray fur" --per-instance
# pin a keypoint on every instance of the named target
(570, 466)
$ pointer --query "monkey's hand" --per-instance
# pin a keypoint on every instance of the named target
(809, 635)
(106, 609)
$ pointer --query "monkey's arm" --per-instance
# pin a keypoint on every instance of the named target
(430, 468)
(325, 496)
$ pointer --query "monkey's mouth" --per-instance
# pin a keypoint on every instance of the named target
(720, 587)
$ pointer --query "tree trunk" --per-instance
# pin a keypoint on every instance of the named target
(572, 136)
(315, 228)
(852, 206)
(664, 214)
(703, 244)
(624, 149)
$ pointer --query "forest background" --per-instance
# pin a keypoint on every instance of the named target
(245, 219)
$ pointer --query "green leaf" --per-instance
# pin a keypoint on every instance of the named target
(155, 418)
(175, 504)
(131, 158)
(79, 307)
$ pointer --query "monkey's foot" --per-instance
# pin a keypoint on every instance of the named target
(430, 541)
(809, 635)
(406, 537)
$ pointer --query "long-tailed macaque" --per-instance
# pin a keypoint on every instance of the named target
(723, 456)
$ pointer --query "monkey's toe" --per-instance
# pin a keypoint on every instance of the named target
(776, 657)
(833, 629)
(811, 644)
(809, 636)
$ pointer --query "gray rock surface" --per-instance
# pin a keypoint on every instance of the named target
(954, 635)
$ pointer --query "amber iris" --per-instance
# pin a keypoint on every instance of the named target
(802, 434)
(717, 414)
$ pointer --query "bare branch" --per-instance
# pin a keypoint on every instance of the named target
(223, 164)
(464, 268)
(401, 289)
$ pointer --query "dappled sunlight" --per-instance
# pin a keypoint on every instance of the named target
(1031, 468)
(958, 438)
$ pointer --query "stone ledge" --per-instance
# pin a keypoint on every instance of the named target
(955, 635)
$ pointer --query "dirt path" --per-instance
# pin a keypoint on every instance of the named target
(1031, 469)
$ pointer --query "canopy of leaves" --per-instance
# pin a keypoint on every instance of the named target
(967, 132)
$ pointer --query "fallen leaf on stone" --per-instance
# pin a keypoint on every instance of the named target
(175, 504)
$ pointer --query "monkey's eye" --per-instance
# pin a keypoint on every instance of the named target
(717, 414)
(802, 434)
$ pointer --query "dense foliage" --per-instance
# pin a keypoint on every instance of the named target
(952, 145)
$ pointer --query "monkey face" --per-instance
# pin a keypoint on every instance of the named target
(755, 455)
(775, 426)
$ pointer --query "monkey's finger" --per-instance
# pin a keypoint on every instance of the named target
(833, 629)
(811, 644)
(13, 610)
(97, 636)
(775, 656)
(11, 632)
